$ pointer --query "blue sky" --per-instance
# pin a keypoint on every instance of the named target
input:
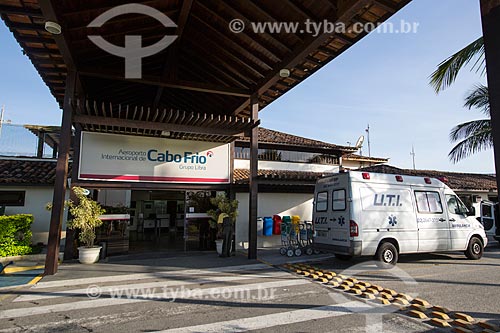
(381, 81)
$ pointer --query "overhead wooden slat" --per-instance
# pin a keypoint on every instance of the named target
(275, 44)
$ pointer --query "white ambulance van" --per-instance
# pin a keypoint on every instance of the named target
(384, 215)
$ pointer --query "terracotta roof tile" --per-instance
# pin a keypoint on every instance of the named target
(276, 137)
(457, 181)
(22, 171)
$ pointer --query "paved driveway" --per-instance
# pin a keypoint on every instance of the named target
(449, 280)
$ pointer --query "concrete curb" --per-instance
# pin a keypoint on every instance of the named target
(29, 257)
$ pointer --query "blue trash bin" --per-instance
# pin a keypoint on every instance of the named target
(268, 226)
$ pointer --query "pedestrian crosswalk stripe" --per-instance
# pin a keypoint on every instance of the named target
(103, 302)
(276, 319)
(149, 275)
(51, 294)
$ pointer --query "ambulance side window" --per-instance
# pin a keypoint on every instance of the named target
(428, 202)
(322, 202)
(338, 200)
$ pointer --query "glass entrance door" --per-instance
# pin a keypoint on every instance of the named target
(158, 221)
(199, 234)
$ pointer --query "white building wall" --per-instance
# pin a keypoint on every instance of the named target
(289, 166)
(270, 204)
(35, 201)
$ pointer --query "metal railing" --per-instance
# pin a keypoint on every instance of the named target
(18, 141)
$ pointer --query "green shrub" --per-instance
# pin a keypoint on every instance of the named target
(15, 235)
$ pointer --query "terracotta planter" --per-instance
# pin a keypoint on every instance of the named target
(89, 255)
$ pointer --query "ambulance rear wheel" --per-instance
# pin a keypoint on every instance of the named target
(343, 257)
(387, 255)
(475, 249)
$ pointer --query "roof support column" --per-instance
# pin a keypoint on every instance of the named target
(69, 250)
(253, 186)
(490, 13)
(51, 261)
(54, 151)
(41, 142)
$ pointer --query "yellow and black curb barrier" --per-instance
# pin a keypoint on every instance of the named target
(414, 307)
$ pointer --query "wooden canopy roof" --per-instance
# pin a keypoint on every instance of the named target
(208, 69)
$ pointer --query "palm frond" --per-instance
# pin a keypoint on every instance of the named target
(479, 98)
(448, 70)
(479, 141)
(470, 128)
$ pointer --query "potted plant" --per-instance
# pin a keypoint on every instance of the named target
(85, 217)
(223, 219)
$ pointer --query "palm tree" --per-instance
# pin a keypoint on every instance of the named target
(472, 136)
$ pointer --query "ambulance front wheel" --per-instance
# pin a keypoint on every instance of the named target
(475, 249)
(387, 255)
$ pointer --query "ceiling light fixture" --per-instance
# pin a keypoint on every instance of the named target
(284, 72)
(53, 28)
